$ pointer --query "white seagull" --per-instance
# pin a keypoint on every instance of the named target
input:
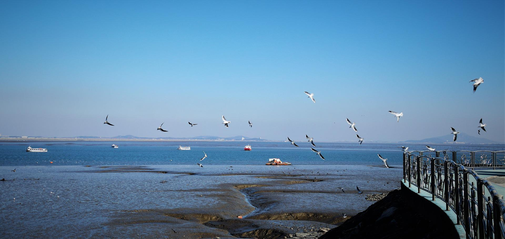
(162, 130)
(292, 142)
(482, 125)
(107, 122)
(455, 133)
(225, 122)
(383, 160)
(250, 124)
(405, 149)
(205, 156)
(192, 124)
(360, 140)
(398, 115)
(311, 140)
(318, 153)
(199, 164)
(352, 125)
(430, 148)
(476, 83)
(311, 96)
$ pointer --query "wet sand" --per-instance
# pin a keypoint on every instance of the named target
(185, 201)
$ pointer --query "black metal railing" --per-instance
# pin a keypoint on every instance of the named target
(478, 206)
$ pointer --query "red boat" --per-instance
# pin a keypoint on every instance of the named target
(247, 148)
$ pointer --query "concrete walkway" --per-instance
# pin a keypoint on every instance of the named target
(495, 176)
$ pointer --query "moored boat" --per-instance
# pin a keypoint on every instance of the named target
(276, 161)
(247, 148)
(36, 150)
(184, 148)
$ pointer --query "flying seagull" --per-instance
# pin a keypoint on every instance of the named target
(318, 153)
(311, 140)
(405, 149)
(199, 164)
(250, 124)
(359, 191)
(292, 142)
(162, 130)
(192, 124)
(352, 125)
(482, 125)
(360, 140)
(225, 122)
(384, 160)
(455, 133)
(430, 148)
(107, 122)
(398, 115)
(311, 96)
(476, 83)
(205, 156)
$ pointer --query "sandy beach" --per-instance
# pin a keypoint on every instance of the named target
(185, 201)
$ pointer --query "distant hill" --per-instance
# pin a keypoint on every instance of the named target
(462, 138)
(132, 137)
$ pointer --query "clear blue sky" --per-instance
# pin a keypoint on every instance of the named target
(65, 65)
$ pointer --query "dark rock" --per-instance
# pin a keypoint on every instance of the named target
(401, 214)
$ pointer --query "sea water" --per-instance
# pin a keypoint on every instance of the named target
(219, 153)
(89, 189)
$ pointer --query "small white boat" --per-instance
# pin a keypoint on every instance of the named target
(276, 161)
(36, 150)
(184, 148)
(114, 146)
(247, 148)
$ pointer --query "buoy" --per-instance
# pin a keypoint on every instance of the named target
(51, 161)
(239, 217)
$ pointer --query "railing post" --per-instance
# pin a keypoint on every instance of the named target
(455, 156)
(480, 208)
(472, 159)
(493, 154)
(496, 216)
(446, 185)
(465, 203)
(418, 161)
(409, 173)
(404, 167)
(456, 188)
(433, 189)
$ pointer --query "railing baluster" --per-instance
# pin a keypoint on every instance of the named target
(446, 186)
(433, 187)
(418, 161)
(466, 204)
(480, 208)
(456, 189)
(497, 217)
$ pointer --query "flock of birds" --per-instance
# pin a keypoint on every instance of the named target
(352, 125)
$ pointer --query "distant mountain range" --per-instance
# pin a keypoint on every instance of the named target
(462, 138)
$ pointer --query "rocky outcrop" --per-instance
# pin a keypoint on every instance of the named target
(401, 214)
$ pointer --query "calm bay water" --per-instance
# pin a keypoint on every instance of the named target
(219, 153)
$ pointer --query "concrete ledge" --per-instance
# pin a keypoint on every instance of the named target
(438, 202)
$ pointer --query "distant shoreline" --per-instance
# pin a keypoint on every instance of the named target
(75, 139)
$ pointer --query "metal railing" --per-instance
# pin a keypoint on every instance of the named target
(478, 206)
